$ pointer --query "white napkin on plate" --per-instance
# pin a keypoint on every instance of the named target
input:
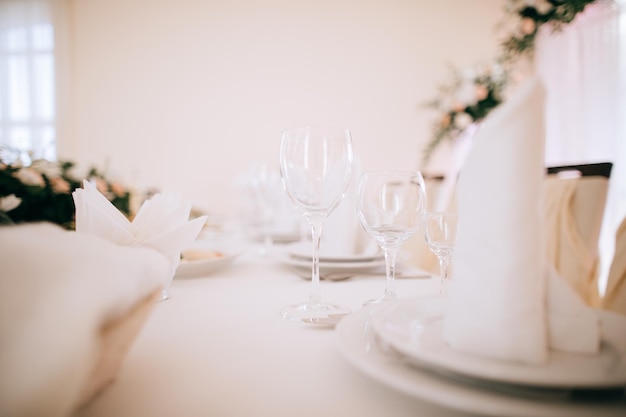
(162, 223)
(505, 302)
(342, 234)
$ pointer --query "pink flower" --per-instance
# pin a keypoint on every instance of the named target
(528, 26)
(30, 176)
(101, 185)
(48, 168)
(59, 185)
(458, 107)
(465, 94)
(481, 92)
(462, 120)
(118, 189)
(543, 6)
(9, 202)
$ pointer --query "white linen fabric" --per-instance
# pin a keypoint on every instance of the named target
(161, 223)
(500, 304)
(573, 210)
(615, 297)
(572, 327)
(59, 291)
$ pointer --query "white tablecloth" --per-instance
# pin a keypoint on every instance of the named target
(219, 347)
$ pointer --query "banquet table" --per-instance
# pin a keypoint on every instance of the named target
(219, 347)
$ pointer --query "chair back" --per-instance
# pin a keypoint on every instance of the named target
(574, 200)
(615, 295)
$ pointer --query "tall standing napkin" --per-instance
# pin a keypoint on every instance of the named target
(342, 234)
(162, 223)
(505, 302)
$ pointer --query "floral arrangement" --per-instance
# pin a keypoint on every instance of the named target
(467, 99)
(472, 95)
(42, 191)
(531, 16)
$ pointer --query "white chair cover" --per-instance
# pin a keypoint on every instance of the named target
(573, 209)
(615, 296)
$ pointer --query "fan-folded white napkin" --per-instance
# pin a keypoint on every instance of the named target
(505, 302)
(162, 223)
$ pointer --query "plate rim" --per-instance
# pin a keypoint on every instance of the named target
(436, 389)
(285, 258)
(292, 250)
(215, 263)
(526, 375)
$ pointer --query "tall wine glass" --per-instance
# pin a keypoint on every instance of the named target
(441, 232)
(390, 206)
(316, 165)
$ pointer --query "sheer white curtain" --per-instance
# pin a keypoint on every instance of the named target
(583, 68)
(32, 38)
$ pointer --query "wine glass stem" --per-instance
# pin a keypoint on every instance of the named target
(316, 234)
(444, 265)
(391, 254)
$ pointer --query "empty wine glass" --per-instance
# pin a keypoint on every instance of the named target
(390, 207)
(315, 165)
(441, 232)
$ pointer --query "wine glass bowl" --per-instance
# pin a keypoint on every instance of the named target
(315, 166)
(390, 207)
(440, 230)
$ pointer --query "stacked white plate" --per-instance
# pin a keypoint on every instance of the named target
(401, 345)
(298, 256)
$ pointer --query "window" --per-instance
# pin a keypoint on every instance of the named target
(27, 80)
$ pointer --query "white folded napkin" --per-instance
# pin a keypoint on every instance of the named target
(68, 305)
(162, 223)
(342, 234)
(505, 302)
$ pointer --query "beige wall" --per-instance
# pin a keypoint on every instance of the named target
(185, 94)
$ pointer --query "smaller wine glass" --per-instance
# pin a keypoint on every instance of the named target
(441, 233)
(390, 206)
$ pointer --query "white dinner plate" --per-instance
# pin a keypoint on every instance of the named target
(302, 251)
(414, 328)
(326, 267)
(205, 267)
(357, 344)
(278, 237)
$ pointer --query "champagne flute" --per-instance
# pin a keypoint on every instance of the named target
(316, 166)
(441, 232)
(390, 207)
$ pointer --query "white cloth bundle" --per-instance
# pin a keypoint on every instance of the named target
(615, 297)
(574, 257)
(162, 223)
(61, 294)
(505, 302)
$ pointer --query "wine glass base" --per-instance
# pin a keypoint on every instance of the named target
(323, 314)
(164, 295)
